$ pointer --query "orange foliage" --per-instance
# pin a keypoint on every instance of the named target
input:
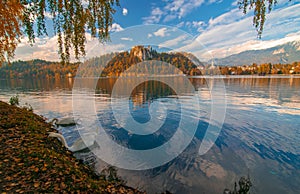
(10, 32)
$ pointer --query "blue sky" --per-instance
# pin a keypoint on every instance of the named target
(208, 28)
(189, 15)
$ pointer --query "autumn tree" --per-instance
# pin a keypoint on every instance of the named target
(10, 32)
(71, 20)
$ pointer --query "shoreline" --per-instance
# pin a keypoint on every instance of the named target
(169, 76)
(32, 162)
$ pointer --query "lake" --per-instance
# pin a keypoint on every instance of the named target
(260, 135)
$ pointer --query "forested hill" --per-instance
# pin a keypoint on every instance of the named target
(122, 61)
(37, 68)
(115, 64)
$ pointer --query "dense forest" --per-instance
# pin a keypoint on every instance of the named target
(37, 68)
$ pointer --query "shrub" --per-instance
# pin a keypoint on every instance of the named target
(14, 100)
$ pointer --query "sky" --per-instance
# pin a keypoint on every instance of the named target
(207, 28)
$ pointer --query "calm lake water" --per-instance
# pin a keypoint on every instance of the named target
(260, 134)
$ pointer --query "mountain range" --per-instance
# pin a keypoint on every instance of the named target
(285, 53)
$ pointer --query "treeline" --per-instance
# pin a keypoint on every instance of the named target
(114, 64)
(37, 68)
(262, 69)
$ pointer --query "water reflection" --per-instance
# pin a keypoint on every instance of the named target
(36, 84)
(260, 134)
(281, 91)
(146, 92)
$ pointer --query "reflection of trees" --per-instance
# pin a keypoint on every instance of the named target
(198, 82)
(105, 85)
(150, 90)
(275, 88)
(279, 89)
(39, 84)
(263, 82)
(145, 92)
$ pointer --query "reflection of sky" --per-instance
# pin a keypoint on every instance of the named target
(49, 104)
(246, 102)
(261, 112)
(262, 119)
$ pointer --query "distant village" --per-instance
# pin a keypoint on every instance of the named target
(254, 69)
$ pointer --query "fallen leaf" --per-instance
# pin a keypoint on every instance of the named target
(36, 184)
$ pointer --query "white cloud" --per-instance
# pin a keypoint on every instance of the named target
(155, 16)
(249, 45)
(188, 6)
(173, 42)
(97, 49)
(180, 8)
(47, 49)
(126, 38)
(161, 32)
(214, 1)
(150, 35)
(226, 18)
(43, 48)
(172, 10)
(231, 33)
(116, 28)
(181, 24)
(199, 25)
(170, 18)
(124, 11)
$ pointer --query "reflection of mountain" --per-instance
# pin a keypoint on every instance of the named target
(286, 53)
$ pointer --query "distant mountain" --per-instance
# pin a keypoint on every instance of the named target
(286, 53)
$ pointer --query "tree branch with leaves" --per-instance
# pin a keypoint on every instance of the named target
(71, 20)
(261, 8)
(10, 28)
